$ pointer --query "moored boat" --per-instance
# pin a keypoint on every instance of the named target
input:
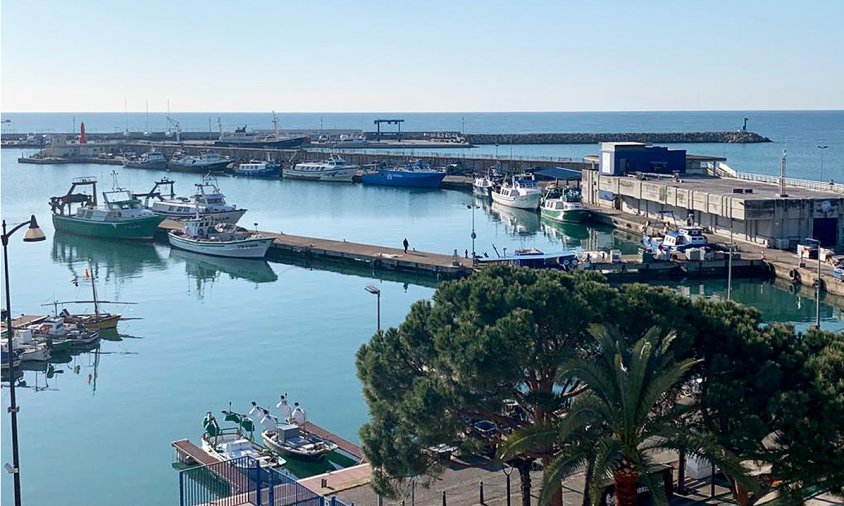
(483, 186)
(231, 443)
(565, 205)
(149, 160)
(289, 438)
(204, 163)
(683, 238)
(204, 235)
(415, 174)
(122, 216)
(244, 139)
(208, 201)
(334, 169)
(257, 168)
(520, 192)
(28, 349)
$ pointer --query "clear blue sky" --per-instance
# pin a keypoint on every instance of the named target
(433, 55)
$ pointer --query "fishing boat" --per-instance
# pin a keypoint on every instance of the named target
(4, 358)
(257, 168)
(241, 138)
(149, 160)
(334, 169)
(232, 443)
(98, 320)
(415, 174)
(28, 349)
(204, 235)
(122, 216)
(676, 240)
(564, 205)
(520, 192)
(290, 438)
(208, 201)
(60, 336)
(204, 163)
(483, 186)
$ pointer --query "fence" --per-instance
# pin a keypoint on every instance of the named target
(242, 481)
(808, 184)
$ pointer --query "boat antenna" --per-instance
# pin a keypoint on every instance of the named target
(114, 180)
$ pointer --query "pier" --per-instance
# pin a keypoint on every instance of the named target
(377, 257)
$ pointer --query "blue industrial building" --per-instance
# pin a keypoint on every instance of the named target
(620, 158)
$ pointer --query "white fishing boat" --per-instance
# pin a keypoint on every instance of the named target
(28, 349)
(289, 437)
(520, 192)
(208, 201)
(204, 163)
(483, 186)
(334, 169)
(204, 235)
(231, 443)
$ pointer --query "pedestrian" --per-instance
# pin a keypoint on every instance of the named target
(466, 253)
(406, 244)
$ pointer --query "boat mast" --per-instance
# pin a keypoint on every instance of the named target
(94, 290)
(275, 125)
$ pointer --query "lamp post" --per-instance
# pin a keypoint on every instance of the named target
(822, 148)
(474, 235)
(33, 234)
(817, 285)
(375, 291)
(731, 247)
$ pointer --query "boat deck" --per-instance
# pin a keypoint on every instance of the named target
(379, 257)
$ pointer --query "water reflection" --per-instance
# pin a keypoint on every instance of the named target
(518, 222)
(110, 259)
(206, 269)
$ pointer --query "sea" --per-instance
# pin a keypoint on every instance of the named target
(206, 334)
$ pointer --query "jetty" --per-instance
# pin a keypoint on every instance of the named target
(377, 257)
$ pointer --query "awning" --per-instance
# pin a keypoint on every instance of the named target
(560, 173)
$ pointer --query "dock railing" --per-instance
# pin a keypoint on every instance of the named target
(242, 481)
(809, 184)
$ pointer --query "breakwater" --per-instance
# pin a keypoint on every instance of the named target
(737, 137)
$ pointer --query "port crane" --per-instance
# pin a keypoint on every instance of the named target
(177, 126)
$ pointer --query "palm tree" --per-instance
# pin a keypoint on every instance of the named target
(629, 412)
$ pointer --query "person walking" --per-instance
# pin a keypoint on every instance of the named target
(406, 244)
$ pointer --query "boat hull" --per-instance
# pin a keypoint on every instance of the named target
(91, 322)
(270, 442)
(406, 179)
(220, 216)
(567, 215)
(290, 142)
(199, 168)
(337, 176)
(529, 201)
(155, 165)
(245, 248)
(139, 229)
(270, 172)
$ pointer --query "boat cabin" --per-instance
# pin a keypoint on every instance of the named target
(684, 238)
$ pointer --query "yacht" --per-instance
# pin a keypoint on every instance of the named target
(334, 169)
(208, 201)
(520, 192)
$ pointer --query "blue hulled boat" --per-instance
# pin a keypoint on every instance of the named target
(257, 168)
(416, 174)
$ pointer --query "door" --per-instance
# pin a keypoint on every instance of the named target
(825, 230)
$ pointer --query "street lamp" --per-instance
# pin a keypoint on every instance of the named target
(817, 285)
(731, 247)
(375, 291)
(822, 149)
(33, 234)
(474, 235)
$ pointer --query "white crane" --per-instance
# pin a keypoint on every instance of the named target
(176, 126)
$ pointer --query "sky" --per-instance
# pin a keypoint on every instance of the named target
(425, 56)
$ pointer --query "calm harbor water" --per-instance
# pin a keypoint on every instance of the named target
(210, 332)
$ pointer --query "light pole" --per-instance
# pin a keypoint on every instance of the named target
(817, 285)
(375, 291)
(731, 247)
(474, 235)
(822, 149)
(33, 234)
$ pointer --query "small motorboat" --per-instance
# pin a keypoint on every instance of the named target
(290, 438)
(231, 443)
(29, 350)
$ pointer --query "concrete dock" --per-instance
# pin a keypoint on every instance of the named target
(378, 257)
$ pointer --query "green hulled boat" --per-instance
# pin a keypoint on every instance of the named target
(121, 216)
(565, 207)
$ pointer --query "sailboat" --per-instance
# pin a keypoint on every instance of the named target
(98, 320)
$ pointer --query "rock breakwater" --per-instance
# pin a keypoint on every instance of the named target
(739, 137)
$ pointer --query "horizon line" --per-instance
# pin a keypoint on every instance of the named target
(426, 112)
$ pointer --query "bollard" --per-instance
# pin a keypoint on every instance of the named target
(481, 489)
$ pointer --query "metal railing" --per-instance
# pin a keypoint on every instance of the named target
(243, 481)
(808, 184)
(422, 152)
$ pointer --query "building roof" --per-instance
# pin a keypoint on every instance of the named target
(561, 173)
